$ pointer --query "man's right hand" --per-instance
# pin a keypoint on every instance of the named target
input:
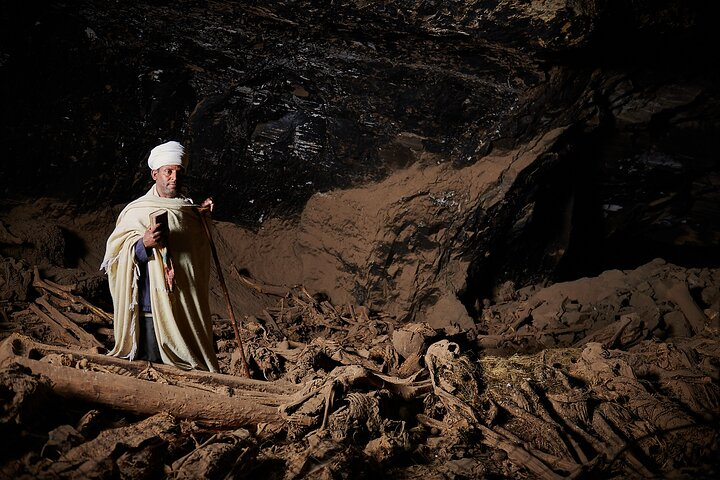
(154, 236)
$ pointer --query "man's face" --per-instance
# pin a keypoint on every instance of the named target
(168, 180)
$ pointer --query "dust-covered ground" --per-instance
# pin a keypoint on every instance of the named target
(614, 376)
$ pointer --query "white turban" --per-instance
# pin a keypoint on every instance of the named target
(169, 153)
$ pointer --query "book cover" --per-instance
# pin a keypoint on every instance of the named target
(159, 216)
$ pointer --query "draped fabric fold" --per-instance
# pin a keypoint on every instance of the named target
(181, 317)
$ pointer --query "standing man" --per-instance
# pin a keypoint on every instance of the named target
(159, 272)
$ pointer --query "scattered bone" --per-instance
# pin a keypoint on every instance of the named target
(625, 391)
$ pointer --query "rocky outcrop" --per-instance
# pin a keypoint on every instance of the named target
(397, 154)
(400, 245)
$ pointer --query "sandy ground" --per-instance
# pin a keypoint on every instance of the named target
(620, 371)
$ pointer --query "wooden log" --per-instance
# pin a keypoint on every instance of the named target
(63, 336)
(39, 283)
(85, 339)
(276, 391)
(141, 396)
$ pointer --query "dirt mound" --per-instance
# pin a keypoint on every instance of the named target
(620, 381)
(612, 376)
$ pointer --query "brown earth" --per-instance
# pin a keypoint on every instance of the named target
(410, 193)
(613, 376)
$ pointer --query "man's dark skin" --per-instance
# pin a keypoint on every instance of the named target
(168, 182)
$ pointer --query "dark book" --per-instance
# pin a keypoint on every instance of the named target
(159, 216)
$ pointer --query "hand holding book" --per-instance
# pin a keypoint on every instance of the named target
(156, 233)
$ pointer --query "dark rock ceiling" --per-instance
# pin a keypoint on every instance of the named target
(280, 100)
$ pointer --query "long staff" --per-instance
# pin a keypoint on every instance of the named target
(244, 365)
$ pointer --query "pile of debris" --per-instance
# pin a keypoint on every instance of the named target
(614, 377)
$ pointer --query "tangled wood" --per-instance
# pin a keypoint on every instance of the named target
(591, 409)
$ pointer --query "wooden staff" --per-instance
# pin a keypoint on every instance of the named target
(244, 365)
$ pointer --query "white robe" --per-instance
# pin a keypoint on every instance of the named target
(181, 317)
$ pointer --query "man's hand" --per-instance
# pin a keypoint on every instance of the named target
(207, 205)
(154, 235)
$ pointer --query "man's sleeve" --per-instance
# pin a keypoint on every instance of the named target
(141, 253)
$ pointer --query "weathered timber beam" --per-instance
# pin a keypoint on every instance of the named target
(27, 347)
(142, 396)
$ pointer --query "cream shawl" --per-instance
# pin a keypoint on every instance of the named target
(182, 316)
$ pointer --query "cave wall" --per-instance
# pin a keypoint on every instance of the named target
(370, 149)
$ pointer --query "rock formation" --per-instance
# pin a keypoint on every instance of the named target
(456, 145)
(505, 176)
